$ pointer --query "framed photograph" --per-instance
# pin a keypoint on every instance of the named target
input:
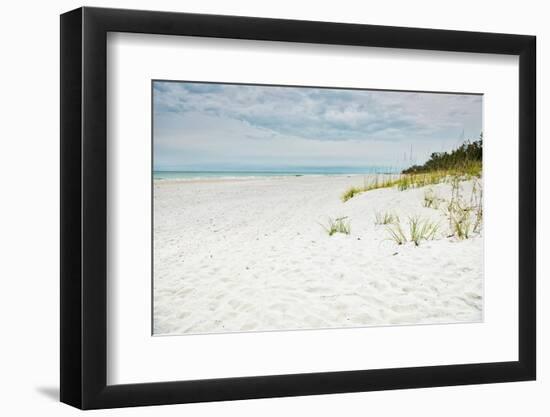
(259, 208)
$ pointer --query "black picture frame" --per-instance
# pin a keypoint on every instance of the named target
(84, 207)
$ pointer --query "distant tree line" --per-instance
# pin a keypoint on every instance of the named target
(463, 158)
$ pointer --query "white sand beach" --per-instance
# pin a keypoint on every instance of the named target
(250, 254)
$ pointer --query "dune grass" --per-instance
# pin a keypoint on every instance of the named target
(476, 201)
(461, 224)
(465, 216)
(376, 182)
(396, 234)
(419, 230)
(464, 163)
(385, 218)
(415, 180)
(339, 225)
(351, 192)
(431, 199)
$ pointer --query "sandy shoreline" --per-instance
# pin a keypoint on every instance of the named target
(251, 255)
(216, 180)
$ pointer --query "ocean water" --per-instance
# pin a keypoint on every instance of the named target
(168, 175)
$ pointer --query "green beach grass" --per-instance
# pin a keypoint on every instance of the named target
(461, 164)
(339, 225)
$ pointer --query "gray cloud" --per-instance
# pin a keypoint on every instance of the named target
(347, 118)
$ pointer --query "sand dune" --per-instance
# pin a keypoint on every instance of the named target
(251, 255)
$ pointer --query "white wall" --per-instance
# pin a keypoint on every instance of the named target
(29, 238)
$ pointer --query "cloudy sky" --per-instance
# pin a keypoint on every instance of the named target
(201, 126)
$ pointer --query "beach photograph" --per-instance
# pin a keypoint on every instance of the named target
(279, 208)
